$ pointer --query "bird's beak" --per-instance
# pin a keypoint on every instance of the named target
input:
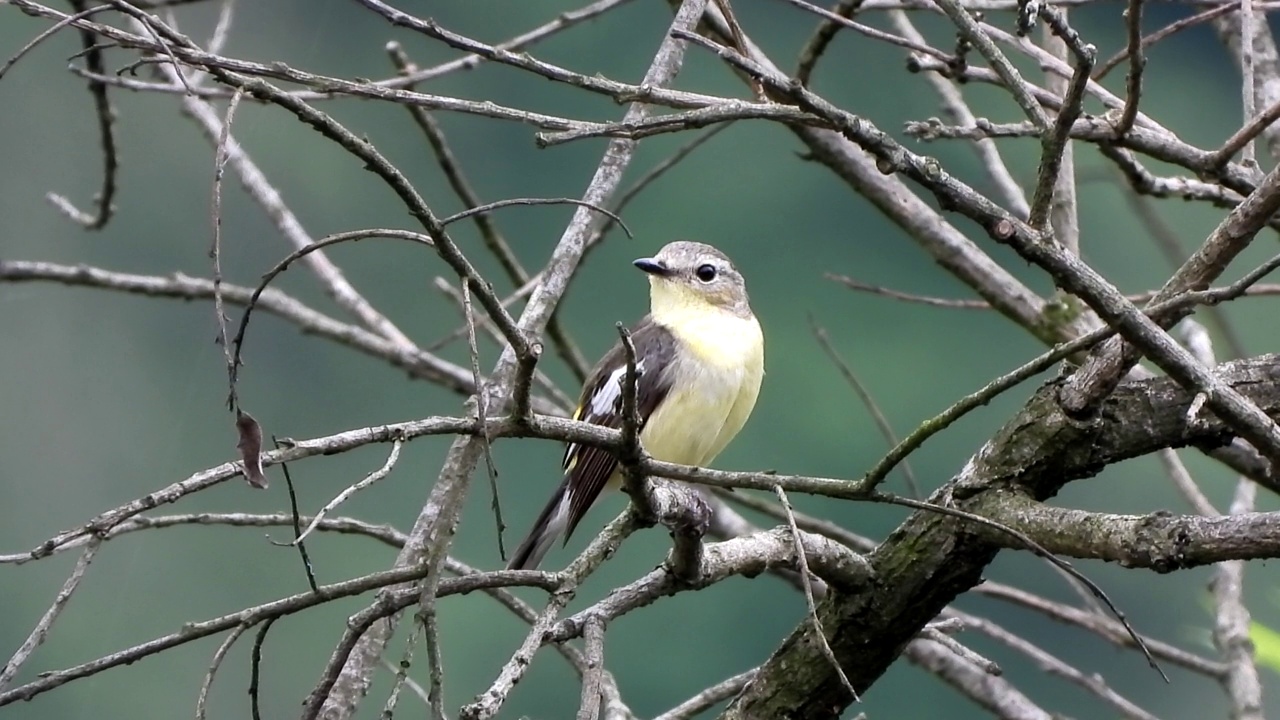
(652, 267)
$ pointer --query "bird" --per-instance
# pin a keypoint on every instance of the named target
(699, 364)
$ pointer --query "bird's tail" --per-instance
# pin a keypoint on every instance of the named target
(550, 526)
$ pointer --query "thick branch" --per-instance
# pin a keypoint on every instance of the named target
(1159, 541)
(934, 558)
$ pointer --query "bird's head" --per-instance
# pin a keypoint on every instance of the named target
(687, 276)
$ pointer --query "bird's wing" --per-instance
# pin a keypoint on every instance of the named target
(587, 468)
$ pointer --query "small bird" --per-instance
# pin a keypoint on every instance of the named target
(699, 363)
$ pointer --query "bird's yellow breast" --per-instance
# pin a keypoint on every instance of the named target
(715, 379)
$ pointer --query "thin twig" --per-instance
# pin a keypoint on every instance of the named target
(1219, 8)
(826, 31)
(953, 102)
(864, 395)
(105, 115)
(41, 630)
(215, 247)
(351, 490)
(1185, 484)
(702, 701)
(908, 297)
(654, 173)
(222, 29)
(305, 251)
(267, 197)
(1244, 136)
(1102, 626)
(277, 608)
(522, 610)
(560, 397)
(255, 668)
(202, 701)
(938, 635)
(563, 21)
(157, 31)
(48, 33)
(1142, 182)
(297, 523)
(1137, 61)
(488, 703)
(977, 399)
(1054, 143)
(511, 202)
(1051, 664)
(419, 364)
(802, 566)
(489, 233)
(1046, 360)
(402, 679)
(974, 32)
(1025, 541)
(482, 417)
(435, 658)
(839, 19)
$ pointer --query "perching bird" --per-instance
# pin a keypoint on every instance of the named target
(699, 363)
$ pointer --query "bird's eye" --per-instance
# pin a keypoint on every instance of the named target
(706, 273)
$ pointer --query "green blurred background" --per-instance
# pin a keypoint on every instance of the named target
(105, 397)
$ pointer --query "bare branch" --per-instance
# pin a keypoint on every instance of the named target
(974, 32)
(802, 564)
(48, 33)
(215, 250)
(1055, 160)
(593, 634)
(1149, 541)
(1243, 137)
(41, 630)
(105, 115)
(836, 18)
(1047, 662)
(481, 401)
(202, 701)
(1105, 627)
(418, 363)
(908, 297)
(993, 693)
(749, 556)
(1185, 484)
(1231, 625)
(268, 198)
(1137, 62)
(934, 633)
(882, 423)
(1230, 238)
(703, 701)
(351, 490)
(1066, 269)
(954, 103)
(489, 232)
(1155, 37)
(431, 627)
(1252, 46)
(1061, 215)
(826, 31)
(259, 613)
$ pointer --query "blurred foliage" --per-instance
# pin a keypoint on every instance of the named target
(104, 398)
(1266, 646)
